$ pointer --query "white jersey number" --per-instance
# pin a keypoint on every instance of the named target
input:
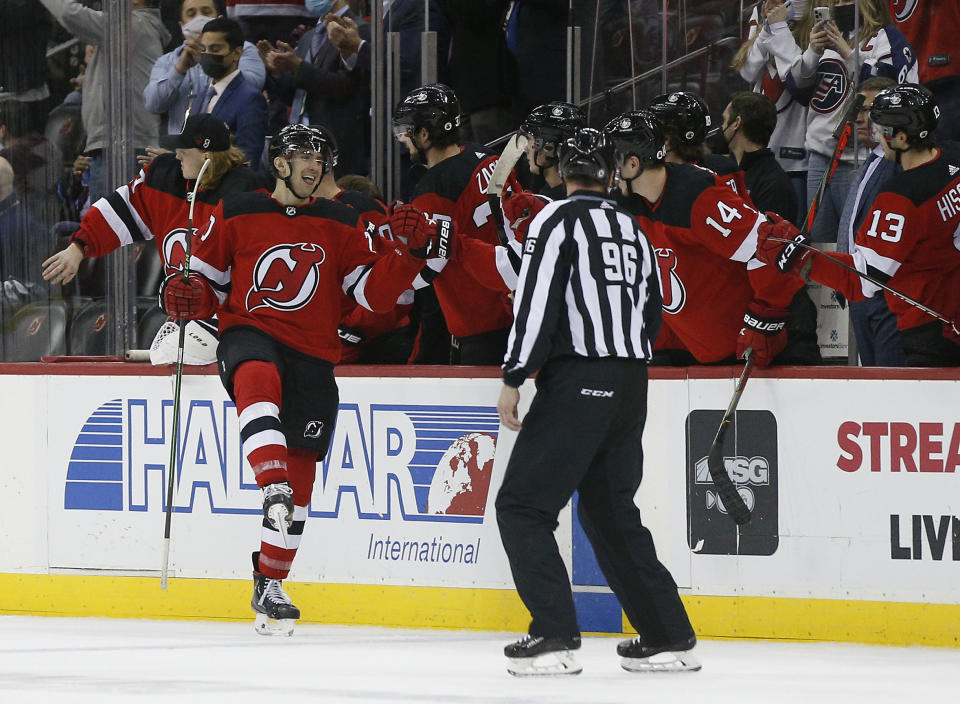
(620, 261)
(727, 215)
(893, 226)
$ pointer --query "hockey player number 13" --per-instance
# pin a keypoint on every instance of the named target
(727, 215)
(892, 232)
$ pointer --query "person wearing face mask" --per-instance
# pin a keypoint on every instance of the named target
(718, 301)
(177, 79)
(275, 266)
(908, 240)
(747, 123)
(229, 96)
(838, 57)
(322, 86)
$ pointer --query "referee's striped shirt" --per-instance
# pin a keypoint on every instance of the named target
(589, 286)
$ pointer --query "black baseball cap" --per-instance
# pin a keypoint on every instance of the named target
(203, 131)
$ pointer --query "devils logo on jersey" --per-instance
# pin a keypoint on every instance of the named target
(674, 294)
(903, 9)
(175, 246)
(832, 86)
(285, 277)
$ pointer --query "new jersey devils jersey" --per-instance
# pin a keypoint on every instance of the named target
(931, 28)
(155, 206)
(366, 322)
(910, 239)
(455, 189)
(705, 238)
(282, 269)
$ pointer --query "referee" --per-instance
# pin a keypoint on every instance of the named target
(586, 313)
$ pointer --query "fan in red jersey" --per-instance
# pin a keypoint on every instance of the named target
(909, 239)
(717, 298)
(454, 190)
(155, 206)
(276, 266)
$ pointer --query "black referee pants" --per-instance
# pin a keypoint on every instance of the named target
(583, 433)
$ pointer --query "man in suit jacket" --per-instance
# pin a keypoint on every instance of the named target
(230, 96)
(874, 326)
(322, 87)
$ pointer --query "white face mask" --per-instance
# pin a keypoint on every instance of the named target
(193, 28)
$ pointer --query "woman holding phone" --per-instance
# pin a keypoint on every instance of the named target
(849, 41)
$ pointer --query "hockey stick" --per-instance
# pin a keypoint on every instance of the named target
(501, 172)
(175, 433)
(866, 277)
(842, 135)
(732, 501)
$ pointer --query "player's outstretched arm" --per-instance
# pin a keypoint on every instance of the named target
(63, 266)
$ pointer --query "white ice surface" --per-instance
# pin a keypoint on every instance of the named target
(112, 660)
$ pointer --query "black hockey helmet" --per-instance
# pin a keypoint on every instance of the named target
(300, 138)
(637, 133)
(552, 124)
(433, 106)
(907, 107)
(587, 154)
(685, 112)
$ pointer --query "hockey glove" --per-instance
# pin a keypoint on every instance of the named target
(191, 298)
(520, 208)
(349, 336)
(764, 330)
(786, 256)
(426, 239)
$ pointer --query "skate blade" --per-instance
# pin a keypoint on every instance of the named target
(561, 662)
(273, 627)
(683, 661)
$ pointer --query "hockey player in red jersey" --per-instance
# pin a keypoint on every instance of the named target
(454, 189)
(909, 239)
(546, 128)
(154, 206)
(366, 336)
(718, 299)
(275, 266)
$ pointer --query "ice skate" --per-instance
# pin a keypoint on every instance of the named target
(276, 614)
(637, 656)
(536, 656)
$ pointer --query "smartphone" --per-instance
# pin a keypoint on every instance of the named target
(821, 14)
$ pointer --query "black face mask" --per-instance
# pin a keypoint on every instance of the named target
(213, 65)
(843, 15)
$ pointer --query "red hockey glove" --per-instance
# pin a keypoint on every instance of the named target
(426, 239)
(520, 208)
(765, 330)
(785, 256)
(191, 298)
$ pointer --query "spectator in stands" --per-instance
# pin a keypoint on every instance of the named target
(35, 161)
(177, 78)
(748, 121)
(773, 45)
(874, 326)
(17, 231)
(25, 28)
(230, 96)
(356, 182)
(820, 79)
(483, 86)
(275, 21)
(322, 87)
(931, 28)
(147, 37)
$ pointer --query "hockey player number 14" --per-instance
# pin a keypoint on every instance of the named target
(727, 215)
(894, 228)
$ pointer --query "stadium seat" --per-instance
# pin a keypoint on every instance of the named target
(36, 330)
(88, 328)
(150, 316)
